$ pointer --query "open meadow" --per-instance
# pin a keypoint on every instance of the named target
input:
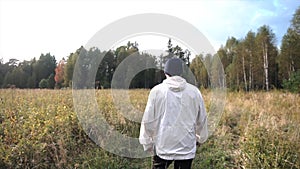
(40, 129)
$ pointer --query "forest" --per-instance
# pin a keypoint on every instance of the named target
(252, 62)
(258, 128)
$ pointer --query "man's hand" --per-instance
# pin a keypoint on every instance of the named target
(149, 148)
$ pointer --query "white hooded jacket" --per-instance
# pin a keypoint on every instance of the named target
(174, 119)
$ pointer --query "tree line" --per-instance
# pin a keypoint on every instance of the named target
(253, 62)
(47, 73)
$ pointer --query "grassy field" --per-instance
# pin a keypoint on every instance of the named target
(39, 129)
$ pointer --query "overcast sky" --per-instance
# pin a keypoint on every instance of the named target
(29, 28)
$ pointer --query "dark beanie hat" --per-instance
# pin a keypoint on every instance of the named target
(173, 67)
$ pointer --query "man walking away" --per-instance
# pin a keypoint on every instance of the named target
(174, 120)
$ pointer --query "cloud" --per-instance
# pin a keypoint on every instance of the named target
(238, 17)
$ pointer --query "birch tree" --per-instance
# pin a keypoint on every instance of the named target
(266, 48)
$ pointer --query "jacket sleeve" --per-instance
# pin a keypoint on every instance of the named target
(149, 123)
(201, 124)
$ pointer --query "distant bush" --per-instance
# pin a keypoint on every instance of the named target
(293, 84)
(43, 84)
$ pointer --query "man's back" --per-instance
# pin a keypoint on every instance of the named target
(174, 119)
(174, 110)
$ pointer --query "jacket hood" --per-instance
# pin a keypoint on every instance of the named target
(175, 83)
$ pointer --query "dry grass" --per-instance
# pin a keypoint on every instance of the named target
(39, 129)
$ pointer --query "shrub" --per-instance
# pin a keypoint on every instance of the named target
(43, 84)
(293, 84)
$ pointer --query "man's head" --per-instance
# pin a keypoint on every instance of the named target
(174, 67)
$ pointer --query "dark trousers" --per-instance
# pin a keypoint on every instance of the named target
(159, 163)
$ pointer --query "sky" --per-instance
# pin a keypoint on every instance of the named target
(31, 27)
